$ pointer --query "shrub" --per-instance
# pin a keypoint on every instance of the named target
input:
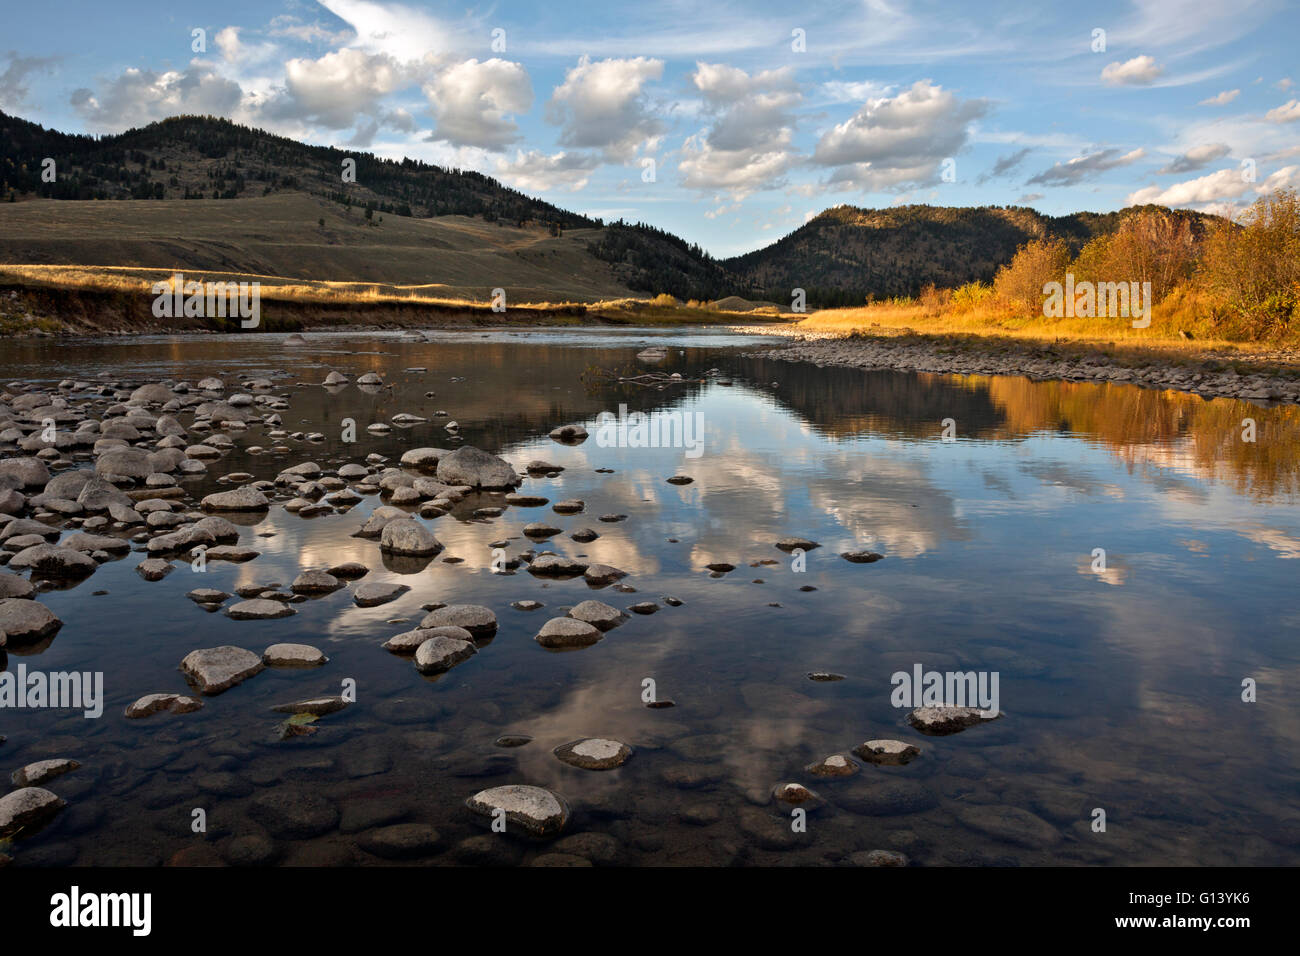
(1020, 282)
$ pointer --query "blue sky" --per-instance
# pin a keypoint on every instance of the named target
(754, 117)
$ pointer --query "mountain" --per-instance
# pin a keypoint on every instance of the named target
(846, 254)
(213, 195)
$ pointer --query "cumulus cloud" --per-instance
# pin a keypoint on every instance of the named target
(748, 146)
(473, 101)
(138, 97)
(893, 142)
(335, 88)
(1221, 99)
(13, 81)
(1198, 157)
(603, 105)
(539, 172)
(1224, 184)
(1288, 112)
(1139, 71)
(1085, 167)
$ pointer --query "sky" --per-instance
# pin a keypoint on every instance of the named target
(730, 124)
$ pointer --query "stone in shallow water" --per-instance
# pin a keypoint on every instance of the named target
(796, 795)
(407, 536)
(594, 753)
(556, 565)
(889, 752)
(409, 641)
(259, 609)
(836, 765)
(375, 593)
(217, 669)
(316, 706)
(878, 858)
(441, 653)
(792, 544)
(293, 655)
(598, 614)
(478, 620)
(825, 676)
(294, 814)
(533, 810)
(349, 570)
(513, 740)
(941, 721)
(861, 557)
(154, 703)
(1010, 824)
(560, 632)
(315, 582)
(23, 621)
(27, 808)
(207, 596)
(246, 498)
(401, 841)
(35, 774)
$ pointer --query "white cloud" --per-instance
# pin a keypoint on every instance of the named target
(1139, 71)
(1221, 99)
(602, 105)
(892, 142)
(748, 146)
(539, 172)
(13, 81)
(1288, 112)
(335, 88)
(138, 97)
(472, 102)
(1224, 184)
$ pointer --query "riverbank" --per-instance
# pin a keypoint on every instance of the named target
(1252, 373)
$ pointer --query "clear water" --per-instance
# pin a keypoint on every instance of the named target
(1121, 690)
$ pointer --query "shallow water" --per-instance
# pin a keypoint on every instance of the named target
(1120, 689)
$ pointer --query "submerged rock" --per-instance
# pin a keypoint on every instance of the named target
(561, 632)
(375, 593)
(941, 721)
(27, 808)
(35, 774)
(154, 703)
(890, 752)
(834, 766)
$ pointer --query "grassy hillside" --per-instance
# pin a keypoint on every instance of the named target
(281, 235)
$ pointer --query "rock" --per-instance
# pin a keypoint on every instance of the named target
(680, 480)
(246, 498)
(540, 530)
(35, 774)
(408, 536)
(476, 468)
(720, 567)
(13, 586)
(26, 809)
(349, 570)
(478, 620)
(560, 632)
(878, 858)
(799, 544)
(644, 607)
(1010, 825)
(602, 574)
(216, 669)
(598, 614)
(89, 543)
(27, 472)
(316, 706)
(594, 753)
(23, 621)
(410, 641)
(401, 841)
(825, 677)
(375, 593)
(796, 795)
(315, 582)
(119, 463)
(941, 721)
(293, 814)
(513, 740)
(54, 561)
(154, 703)
(422, 457)
(569, 434)
(834, 766)
(861, 557)
(153, 569)
(442, 652)
(556, 565)
(534, 810)
(889, 752)
(293, 655)
(570, 507)
(259, 609)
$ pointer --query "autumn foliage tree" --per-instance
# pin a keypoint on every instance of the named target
(1020, 282)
